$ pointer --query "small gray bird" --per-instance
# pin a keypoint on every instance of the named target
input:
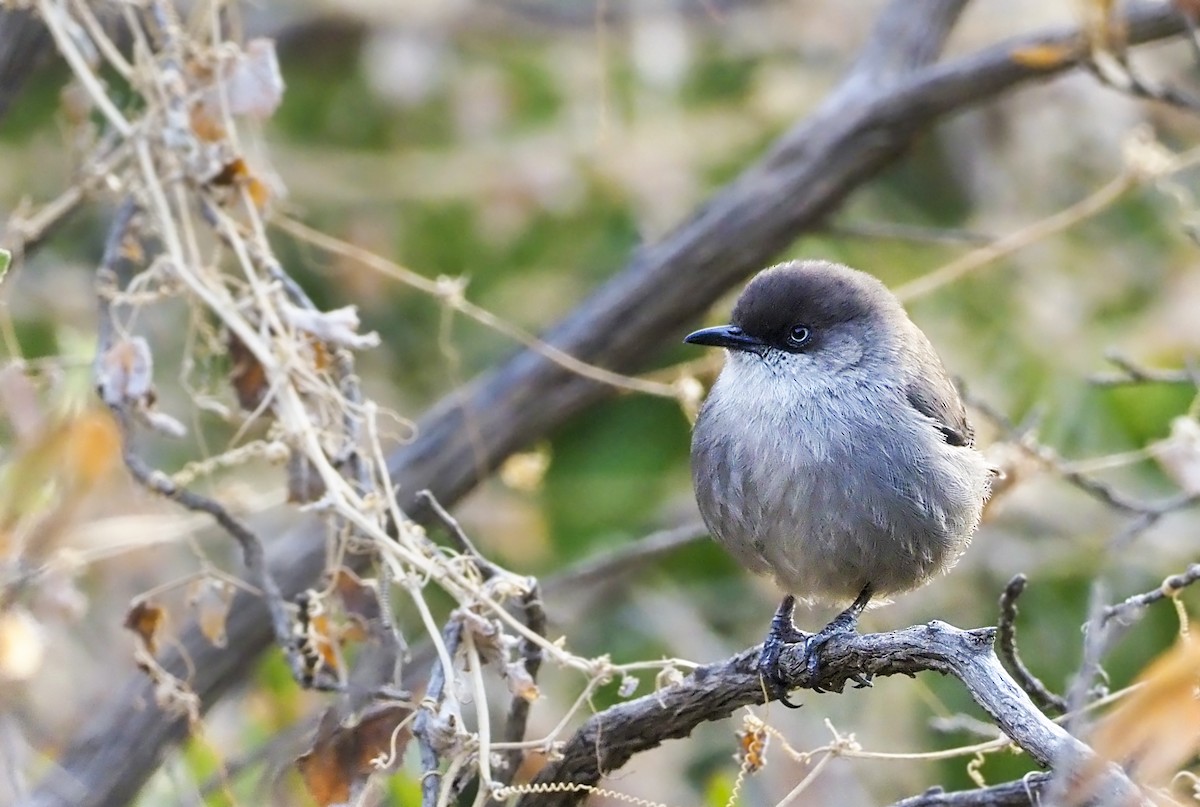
(833, 452)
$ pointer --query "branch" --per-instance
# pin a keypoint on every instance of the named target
(1129, 373)
(610, 738)
(1169, 588)
(1024, 792)
(795, 187)
(1008, 649)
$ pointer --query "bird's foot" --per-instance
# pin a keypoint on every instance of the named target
(784, 632)
(845, 622)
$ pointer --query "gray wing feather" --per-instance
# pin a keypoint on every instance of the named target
(934, 395)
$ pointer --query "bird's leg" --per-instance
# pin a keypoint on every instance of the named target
(783, 632)
(845, 622)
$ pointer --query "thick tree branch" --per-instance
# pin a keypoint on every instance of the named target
(803, 179)
(609, 739)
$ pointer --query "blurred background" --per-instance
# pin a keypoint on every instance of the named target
(529, 148)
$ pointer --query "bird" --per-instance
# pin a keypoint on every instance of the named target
(833, 452)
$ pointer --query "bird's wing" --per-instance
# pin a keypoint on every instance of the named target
(937, 399)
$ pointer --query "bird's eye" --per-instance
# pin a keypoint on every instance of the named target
(799, 335)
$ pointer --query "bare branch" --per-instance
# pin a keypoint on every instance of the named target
(1024, 792)
(1007, 651)
(518, 710)
(1170, 587)
(716, 691)
(430, 725)
(626, 559)
(1129, 372)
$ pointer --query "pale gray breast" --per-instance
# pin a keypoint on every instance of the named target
(828, 503)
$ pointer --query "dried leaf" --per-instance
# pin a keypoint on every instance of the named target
(341, 759)
(92, 448)
(258, 191)
(490, 640)
(520, 682)
(247, 376)
(1044, 57)
(211, 597)
(125, 373)
(205, 120)
(752, 745)
(131, 248)
(1154, 731)
(253, 83)
(232, 172)
(146, 619)
(360, 598)
(22, 645)
(526, 470)
(317, 644)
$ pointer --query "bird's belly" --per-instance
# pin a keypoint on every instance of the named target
(824, 531)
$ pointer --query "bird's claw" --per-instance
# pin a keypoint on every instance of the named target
(784, 632)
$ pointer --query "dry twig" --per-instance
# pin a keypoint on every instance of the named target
(1007, 651)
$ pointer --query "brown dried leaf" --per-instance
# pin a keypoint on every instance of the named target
(1044, 57)
(318, 642)
(360, 599)
(211, 597)
(752, 746)
(232, 172)
(340, 760)
(247, 376)
(206, 123)
(1156, 730)
(146, 619)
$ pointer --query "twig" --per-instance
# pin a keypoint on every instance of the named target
(457, 534)
(1007, 649)
(518, 709)
(452, 296)
(915, 233)
(1085, 208)
(1129, 372)
(1169, 588)
(1024, 792)
(424, 729)
(626, 559)
(1146, 513)
(534, 617)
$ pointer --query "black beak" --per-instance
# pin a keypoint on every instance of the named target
(727, 336)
